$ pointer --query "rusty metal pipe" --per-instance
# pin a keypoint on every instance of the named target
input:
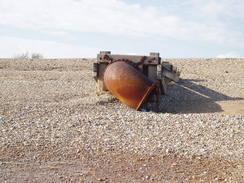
(128, 84)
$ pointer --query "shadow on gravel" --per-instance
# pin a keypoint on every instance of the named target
(189, 97)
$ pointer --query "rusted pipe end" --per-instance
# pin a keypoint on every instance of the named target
(148, 95)
(128, 84)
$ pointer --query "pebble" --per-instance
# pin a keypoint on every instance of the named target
(60, 108)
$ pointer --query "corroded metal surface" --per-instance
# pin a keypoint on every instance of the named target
(133, 78)
(128, 84)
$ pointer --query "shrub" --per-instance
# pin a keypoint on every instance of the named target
(36, 56)
(26, 56)
(22, 56)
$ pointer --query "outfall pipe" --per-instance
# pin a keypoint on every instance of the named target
(128, 84)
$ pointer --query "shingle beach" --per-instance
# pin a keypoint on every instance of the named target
(55, 128)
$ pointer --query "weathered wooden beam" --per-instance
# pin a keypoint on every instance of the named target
(170, 75)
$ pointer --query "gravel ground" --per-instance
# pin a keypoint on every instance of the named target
(54, 128)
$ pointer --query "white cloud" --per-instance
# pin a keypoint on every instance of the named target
(56, 33)
(219, 8)
(48, 49)
(64, 34)
(192, 20)
(197, 22)
(230, 54)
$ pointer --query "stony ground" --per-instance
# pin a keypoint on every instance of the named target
(54, 128)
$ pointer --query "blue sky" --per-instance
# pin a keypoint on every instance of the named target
(82, 28)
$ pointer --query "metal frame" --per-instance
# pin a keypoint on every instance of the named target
(152, 67)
